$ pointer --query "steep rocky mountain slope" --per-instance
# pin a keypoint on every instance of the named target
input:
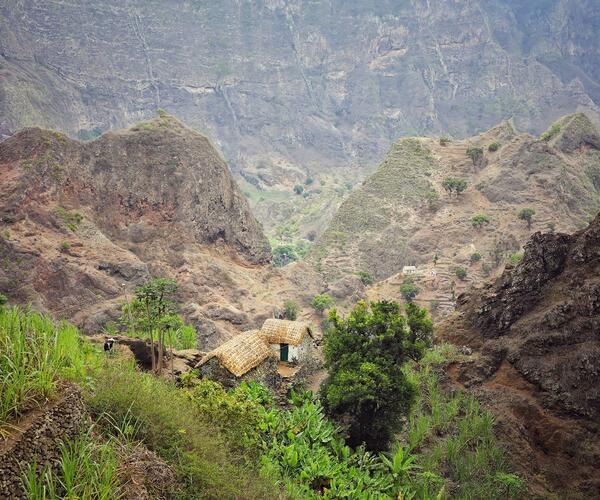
(290, 86)
(81, 224)
(401, 215)
(535, 332)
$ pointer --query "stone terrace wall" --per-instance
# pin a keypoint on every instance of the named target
(39, 438)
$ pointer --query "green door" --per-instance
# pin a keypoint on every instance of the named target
(283, 352)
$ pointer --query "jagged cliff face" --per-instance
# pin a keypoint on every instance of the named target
(289, 85)
(401, 215)
(536, 362)
(83, 224)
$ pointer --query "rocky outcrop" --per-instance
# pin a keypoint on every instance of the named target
(37, 437)
(289, 86)
(84, 224)
(536, 336)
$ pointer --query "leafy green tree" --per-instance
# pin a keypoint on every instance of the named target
(298, 189)
(321, 302)
(291, 309)
(461, 273)
(479, 220)
(365, 277)
(367, 389)
(284, 255)
(475, 153)
(493, 147)
(409, 290)
(155, 299)
(455, 184)
(527, 214)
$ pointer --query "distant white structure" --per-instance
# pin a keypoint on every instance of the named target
(408, 270)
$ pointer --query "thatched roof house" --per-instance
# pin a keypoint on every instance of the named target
(241, 353)
(281, 331)
(246, 351)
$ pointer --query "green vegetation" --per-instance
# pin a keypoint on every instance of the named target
(308, 181)
(34, 353)
(515, 258)
(298, 189)
(365, 277)
(408, 289)
(284, 255)
(65, 246)
(86, 469)
(461, 273)
(71, 219)
(455, 184)
(152, 411)
(152, 314)
(475, 153)
(493, 147)
(433, 200)
(322, 301)
(480, 220)
(527, 214)
(553, 131)
(475, 257)
(452, 438)
(291, 308)
(367, 388)
(444, 141)
(89, 134)
(240, 444)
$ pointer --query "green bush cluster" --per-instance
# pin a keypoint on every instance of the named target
(454, 184)
(479, 220)
(493, 147)
(322, 301)
(475, 153)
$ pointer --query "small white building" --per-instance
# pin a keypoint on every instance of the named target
(409, 270)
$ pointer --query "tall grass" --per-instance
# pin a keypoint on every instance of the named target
(85, 469)
(453, 438)
(142, 408)
(34, 352)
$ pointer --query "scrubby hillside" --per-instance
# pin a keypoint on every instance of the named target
(83, 223)
(403, 214)
(536, 336)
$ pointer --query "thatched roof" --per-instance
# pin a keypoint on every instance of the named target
(240, 354)
(281, 331)
(249, 349)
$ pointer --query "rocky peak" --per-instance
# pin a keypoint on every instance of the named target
(158, 174)
(535, 332)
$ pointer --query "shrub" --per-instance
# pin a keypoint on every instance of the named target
(298, 189)
(365, 277)
(311, 235)
(551, 132)
(475, 153)
(551, 226)
(455, 184)
(65, 246)
(409, 290)
(444, 141)
(433, 199)
(493, 147)
(321, 302)
(515, 258)
(367, 388)
(527, 214)
(291, 309)
(461, 273)
(479, 220)
(475, 257)
(284, 255)
(308, 181)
